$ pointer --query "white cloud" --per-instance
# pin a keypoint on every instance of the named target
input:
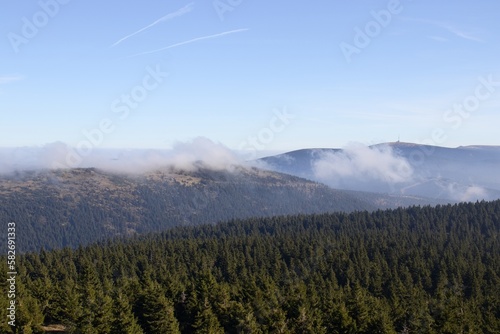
(467, 194)
(198, 153)
(29, 158)
(359, 163)
(202, 151)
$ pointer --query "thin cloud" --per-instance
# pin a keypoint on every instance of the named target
(8, 79)
(190, 41)
(184, 10)
(459, 33)
(446, 26)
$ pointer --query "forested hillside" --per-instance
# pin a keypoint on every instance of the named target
(415, 270)
(58, 208)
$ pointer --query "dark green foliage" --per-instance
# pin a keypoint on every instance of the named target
(206, 321)
(156, 313)
(416, 270)
(124, 320)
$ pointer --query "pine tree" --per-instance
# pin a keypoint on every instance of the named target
(95, 305)
(124, 321)
(157, 312)
(29, 317)
(4, 302)
(248, 324)
(103, 314)
(206, 322)
(64, 308)
(278, 322)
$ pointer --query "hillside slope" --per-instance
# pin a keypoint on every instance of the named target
(455, 174)
(73, 207)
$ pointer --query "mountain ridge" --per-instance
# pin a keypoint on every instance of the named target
(461, 173)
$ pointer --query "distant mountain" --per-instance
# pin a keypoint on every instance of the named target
(456, 174)
(78, 206)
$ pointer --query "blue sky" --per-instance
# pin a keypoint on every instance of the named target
(421, 70)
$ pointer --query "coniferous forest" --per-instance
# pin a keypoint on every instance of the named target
(414, 270)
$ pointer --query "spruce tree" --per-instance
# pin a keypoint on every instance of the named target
(157, 312)
(124, 320)
(206, 321)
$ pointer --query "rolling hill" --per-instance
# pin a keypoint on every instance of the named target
(455, 174)
(58, 208)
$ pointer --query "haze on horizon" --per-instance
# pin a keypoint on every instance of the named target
(187, 155)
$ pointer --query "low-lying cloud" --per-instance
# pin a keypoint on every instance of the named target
(360, 166)
(467, 193)
(189, 156)
(380, 169)
(203, 151)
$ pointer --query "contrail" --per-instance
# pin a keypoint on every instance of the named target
(190, 41)
(460, 33)
(184, 10)
(452, 29)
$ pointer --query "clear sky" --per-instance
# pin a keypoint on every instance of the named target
(272, 75)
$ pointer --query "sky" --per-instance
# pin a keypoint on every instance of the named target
(249, 75)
